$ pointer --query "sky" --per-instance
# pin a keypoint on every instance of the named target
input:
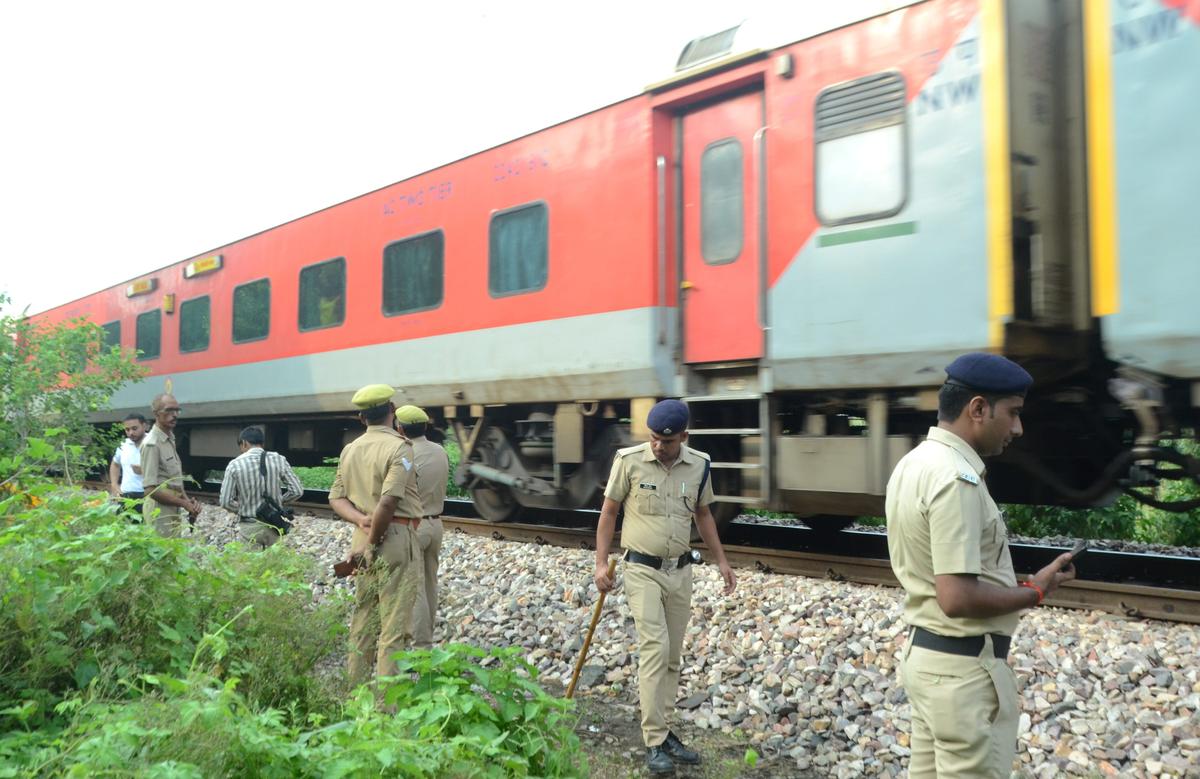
(138, 134)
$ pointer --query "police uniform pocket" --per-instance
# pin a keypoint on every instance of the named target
(648, 501)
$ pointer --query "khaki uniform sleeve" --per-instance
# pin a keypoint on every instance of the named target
(150, 466)
(955, 526)
(618, 482)
(338, 490)
(399, 472)
(707, 497)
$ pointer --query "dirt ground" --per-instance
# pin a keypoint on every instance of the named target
(612, 738)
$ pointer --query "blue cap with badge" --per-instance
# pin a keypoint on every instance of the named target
(988, 373)
(668, 417)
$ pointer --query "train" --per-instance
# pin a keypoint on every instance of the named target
(795, 232)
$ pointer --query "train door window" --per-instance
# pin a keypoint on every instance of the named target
(149, 334)
(194, 324)
(519, 250)
(251, 311)
(323, 294)
(413, 273)
(861, 159)
(721, 202)
(112, 334)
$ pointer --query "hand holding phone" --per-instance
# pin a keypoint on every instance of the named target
(1080, 547)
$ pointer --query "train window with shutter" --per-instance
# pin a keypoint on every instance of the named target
(861, 160)
(149, 334)
(251, 311)
(721, 202)
(519, 250)
(195, 324)
(112, 334)
(414, 273)
(323, 294)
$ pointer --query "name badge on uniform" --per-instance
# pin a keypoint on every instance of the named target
(646, 486)
(969, 477)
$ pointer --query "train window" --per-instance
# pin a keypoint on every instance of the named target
(721, 202)
(149, 334)
(414, 273)
(251, 311)
(194, 324)
(861, 162)
(112, 335)
(519, 250)
(323, 294)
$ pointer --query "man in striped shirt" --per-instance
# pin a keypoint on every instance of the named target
(243, 486)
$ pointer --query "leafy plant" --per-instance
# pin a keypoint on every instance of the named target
(52, 376)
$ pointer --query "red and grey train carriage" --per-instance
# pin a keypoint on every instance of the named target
(795, 237)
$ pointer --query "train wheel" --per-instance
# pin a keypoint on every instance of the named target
(495, 503)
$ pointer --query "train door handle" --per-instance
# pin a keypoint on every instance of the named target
(686, 285)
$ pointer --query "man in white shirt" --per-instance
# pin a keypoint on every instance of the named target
(125, 470)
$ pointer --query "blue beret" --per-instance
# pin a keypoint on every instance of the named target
(668, 417)
(989, 373)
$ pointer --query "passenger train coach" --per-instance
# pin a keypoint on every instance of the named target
(795, 238)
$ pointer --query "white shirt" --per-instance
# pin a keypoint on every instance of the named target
(127, 456)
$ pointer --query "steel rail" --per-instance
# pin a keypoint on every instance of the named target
(860, 559)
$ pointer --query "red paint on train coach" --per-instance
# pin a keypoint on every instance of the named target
(596, 176)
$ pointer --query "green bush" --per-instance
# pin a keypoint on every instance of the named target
(123, 653)
(90, 598)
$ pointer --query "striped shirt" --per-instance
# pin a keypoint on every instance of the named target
(242, 488)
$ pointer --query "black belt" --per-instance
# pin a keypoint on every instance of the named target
(431, 516)
(967, 646)
(133, 495)
(657, 562)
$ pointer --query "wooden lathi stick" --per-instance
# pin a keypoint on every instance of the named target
(587, 642)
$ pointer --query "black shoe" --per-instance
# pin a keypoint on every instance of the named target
(658, 761)
(678, 752)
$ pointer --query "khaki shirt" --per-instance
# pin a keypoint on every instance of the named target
(433, 469)
(160, 465)
(941, 520)
(660, 502)
(379, 462)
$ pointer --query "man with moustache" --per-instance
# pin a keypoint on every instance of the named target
(167, 503)
(949, 550)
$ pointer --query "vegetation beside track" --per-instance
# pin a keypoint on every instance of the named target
(127, 653)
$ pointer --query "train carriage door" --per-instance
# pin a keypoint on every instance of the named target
(721, 273)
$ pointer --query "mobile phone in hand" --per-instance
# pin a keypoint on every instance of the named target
(1081, 546)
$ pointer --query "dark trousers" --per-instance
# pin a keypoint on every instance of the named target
(137, 507)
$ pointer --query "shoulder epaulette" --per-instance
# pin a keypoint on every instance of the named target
(629, 450)
(700, 454)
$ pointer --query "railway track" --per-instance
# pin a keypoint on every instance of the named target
(1144, 586)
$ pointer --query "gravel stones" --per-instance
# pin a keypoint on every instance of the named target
(804, 670)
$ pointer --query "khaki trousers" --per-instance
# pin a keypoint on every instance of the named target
(964, 713)
(251, 531)
(169, 520)
(429, 539)
(661, 603)
(383, 605)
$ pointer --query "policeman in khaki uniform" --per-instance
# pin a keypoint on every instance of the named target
(376, 490)
(949, 549)
(664, 487)
(162, 472)
(433, 469)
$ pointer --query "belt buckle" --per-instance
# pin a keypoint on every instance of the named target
(670, 564)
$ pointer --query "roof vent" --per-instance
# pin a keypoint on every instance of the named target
(710, 47)
(874, 101)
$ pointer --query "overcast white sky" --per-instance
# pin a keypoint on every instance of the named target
(137, 134)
